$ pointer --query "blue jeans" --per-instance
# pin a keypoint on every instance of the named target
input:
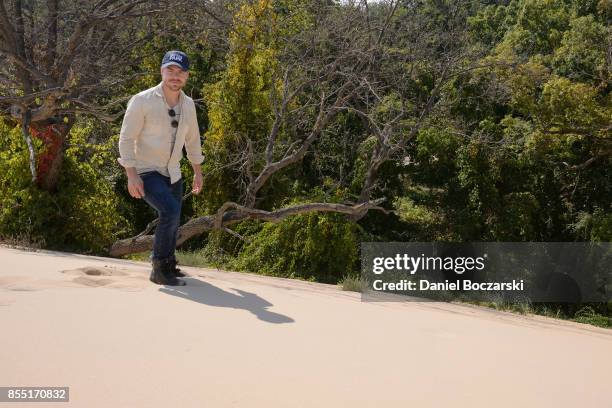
(167, 200)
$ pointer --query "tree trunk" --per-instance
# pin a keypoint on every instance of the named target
(51, 156)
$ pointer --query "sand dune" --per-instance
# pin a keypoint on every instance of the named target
(230, 339)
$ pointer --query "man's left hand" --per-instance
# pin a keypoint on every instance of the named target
(197, 183)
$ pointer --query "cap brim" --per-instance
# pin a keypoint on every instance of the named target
(167, 64)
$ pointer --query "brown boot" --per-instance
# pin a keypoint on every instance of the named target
(162, 275)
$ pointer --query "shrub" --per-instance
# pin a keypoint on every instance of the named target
(81, 215)
(316, 246)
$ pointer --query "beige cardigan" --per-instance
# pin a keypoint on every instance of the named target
(145, 142)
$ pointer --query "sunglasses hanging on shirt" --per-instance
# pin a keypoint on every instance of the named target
(172, 114)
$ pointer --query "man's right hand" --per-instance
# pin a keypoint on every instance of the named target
(135, 184)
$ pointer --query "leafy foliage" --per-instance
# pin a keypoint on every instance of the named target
(317, 247)
(84, 217)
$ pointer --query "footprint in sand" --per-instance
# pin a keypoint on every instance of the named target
(95, 271)
(96, 276)
(16, 284)
(84, 280)
(87, 276)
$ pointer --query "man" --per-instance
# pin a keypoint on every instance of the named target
(158, 122)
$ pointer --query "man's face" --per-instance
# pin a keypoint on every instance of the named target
(174, 77)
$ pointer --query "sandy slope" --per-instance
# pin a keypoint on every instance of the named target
(239, 340)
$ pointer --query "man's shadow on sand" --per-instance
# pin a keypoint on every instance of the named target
(207, 294)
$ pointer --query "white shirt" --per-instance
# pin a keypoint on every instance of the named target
(147, 139)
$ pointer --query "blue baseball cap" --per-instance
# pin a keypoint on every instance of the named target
(177, 58)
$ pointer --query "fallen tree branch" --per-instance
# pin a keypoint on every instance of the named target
(240, 213)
